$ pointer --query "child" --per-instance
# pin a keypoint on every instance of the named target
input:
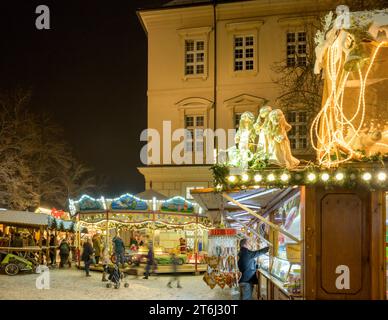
(105, 261)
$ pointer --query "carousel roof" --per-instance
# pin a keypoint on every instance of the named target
(150, 194)
(23, 218)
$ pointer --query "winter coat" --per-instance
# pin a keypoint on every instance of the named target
(247, 264)
(119, 245)
(97, 247)
(17, 242)
(64, 248)
(87, 252)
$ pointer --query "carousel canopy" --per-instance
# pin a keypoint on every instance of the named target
(23, 218)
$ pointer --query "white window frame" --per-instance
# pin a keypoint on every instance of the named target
(195, 129)
(296, 43)
(243, 29)
(194, 34)
(297, 136)
(195, 52)
(244, 48)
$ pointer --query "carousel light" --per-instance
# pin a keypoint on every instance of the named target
(339, 176)
(258, 177)
(271, 177)
(325, 176)
(232, 178)
(366, 176)
(311, 177)
(382, 176)
(245, 177)
(284, 177)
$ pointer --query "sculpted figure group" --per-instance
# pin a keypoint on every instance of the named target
(263, 138)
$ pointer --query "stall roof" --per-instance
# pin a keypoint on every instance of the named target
(258, 199)
(24, 218)
(150, 194)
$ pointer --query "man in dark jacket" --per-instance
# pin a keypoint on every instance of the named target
(64, 252)
(247, 267)
(119, 249)
(17, 241)
(87, 255)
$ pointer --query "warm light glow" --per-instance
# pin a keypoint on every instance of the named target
(339, 176)
(271, 177)
(311, 177)
(258, 178)
(232, 178)
(284, 177)
(325, 177)
(366, 176)
(330, 125)
(245, 177)
(382, 176)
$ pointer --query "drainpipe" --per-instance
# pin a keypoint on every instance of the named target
(215, 73)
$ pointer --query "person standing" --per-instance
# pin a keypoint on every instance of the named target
(105, 261)
(64, 252)
(119, 249)
(87, 255)
(97, 247)
(53, 250)
(247, 266)
(150, 261)
(175, 276)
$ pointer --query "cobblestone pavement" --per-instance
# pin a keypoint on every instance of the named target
(70, 284)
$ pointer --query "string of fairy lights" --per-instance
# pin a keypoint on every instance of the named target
(376, 178)
(331, 123)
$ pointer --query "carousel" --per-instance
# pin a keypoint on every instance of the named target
(324, 221)
(172, 225)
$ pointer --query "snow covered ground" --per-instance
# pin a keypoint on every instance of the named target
(67, 284)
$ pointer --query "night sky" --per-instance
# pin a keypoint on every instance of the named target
(89, 72)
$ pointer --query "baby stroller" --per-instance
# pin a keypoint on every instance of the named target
(115, 277)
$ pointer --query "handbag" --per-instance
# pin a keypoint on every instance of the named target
(92, 259)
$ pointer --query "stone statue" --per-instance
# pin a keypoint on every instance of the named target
(245, 138)
(279, 148)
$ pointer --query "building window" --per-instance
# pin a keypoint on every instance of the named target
(298, 134)
(244, 53)
(194, 57)
(237, 117)
(194, 139)
(296, 49)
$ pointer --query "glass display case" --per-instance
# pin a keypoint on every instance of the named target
(263, 262)
(280, 269)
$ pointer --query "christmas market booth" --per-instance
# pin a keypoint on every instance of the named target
(173, 225)
(25, 232)
(324, 221)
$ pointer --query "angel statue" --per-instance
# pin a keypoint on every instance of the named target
(279, 145)
(242, 153)
(261, 129)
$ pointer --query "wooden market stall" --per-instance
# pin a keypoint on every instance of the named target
(325, 221)
(173, 225)
(34, 224)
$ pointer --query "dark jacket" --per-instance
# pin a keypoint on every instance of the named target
(119, 245)
(64, 248)
(247, 264)
(87, 252)
(17, 242)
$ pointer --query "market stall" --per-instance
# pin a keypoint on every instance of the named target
(31, 229)
(172, 225)
(325, 221)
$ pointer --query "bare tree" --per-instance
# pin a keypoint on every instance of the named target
(36, 164)
(300, 87)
